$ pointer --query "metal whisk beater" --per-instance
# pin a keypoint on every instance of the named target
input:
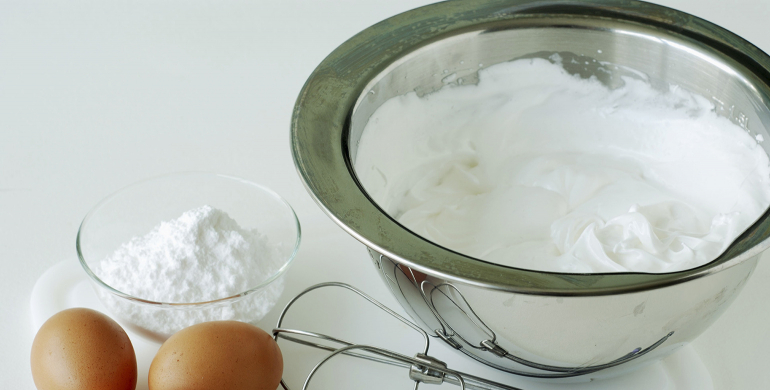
(422, 367)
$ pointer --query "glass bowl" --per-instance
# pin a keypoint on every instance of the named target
(135, 210)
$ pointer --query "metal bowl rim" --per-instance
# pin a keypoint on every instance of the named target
(323, 110)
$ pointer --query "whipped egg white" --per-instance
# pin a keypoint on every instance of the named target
(539, 169)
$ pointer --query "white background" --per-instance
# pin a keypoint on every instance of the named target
(97, 95)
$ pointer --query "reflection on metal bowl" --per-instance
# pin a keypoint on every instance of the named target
(538, 324)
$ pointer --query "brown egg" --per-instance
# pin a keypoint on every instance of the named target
(218, 355)
(82, 349)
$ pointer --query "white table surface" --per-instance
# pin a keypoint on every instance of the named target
(95, 95)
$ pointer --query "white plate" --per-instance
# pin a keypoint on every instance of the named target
(327, 255)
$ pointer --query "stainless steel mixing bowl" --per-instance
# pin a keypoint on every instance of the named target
(541, 324)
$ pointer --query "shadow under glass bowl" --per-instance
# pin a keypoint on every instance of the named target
(135, 210)
(531, 323)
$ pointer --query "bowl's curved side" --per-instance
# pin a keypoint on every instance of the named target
(498, 328)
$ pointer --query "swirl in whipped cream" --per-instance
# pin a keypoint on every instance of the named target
(539, 169)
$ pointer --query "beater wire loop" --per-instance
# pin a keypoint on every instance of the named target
(429, 292)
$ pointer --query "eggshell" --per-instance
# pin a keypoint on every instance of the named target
(218, 355)
(82, 349)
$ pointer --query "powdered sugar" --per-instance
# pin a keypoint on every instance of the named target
(201, 256)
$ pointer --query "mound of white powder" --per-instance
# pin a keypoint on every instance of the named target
(201, 256)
